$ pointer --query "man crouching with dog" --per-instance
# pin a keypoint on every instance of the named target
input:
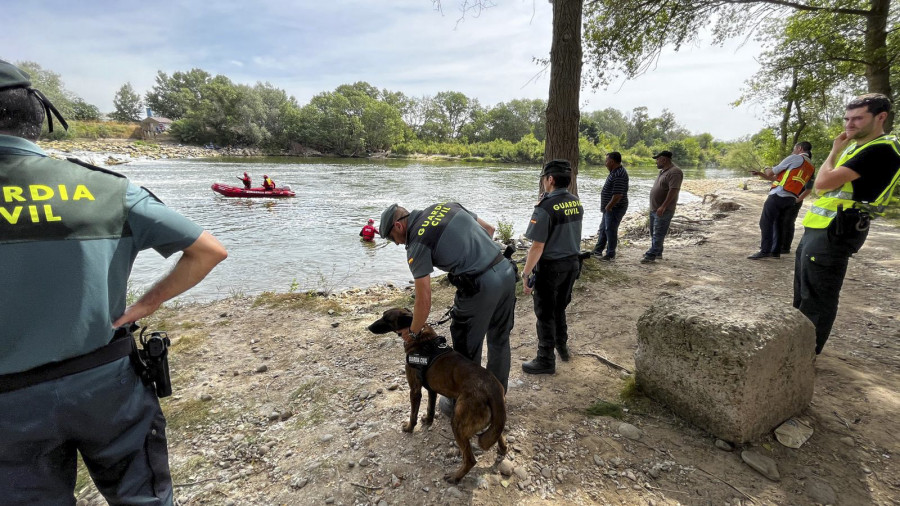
(452, 238)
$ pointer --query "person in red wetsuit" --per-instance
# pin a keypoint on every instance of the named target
(268, 184)
(246, 180)
(368, 232)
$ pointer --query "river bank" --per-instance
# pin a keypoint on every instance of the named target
(285, 398)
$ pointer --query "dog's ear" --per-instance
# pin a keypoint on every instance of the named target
(404, 320)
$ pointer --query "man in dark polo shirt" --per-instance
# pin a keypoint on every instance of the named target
(613, 204)
(555, 229)
(663, 200)
(452, 238)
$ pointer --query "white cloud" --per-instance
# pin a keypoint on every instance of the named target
(310, 47)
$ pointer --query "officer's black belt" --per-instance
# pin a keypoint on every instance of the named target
(119, 348)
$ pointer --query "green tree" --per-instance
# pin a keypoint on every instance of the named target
(127, 103)
(172, 97)
(654, 24)
(51, 85)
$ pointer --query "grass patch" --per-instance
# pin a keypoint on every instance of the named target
(605, 408)
(187, 342)
(302, 300)
(185, 472)
(630, 390)
(594, 270)
(180, 414)
(189, 325)
(313, 402)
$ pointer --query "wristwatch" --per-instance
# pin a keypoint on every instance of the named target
(414, 335)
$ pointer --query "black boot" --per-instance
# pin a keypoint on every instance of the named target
(540, 365)
(563, 350)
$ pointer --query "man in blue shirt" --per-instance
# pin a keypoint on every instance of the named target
(69, 234)
(613, 203)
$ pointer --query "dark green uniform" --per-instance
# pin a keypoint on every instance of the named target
(68, 237)
(556, 222)
(447, 236)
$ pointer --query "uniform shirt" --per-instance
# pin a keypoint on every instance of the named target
(61, 296)
(790, 162)
(876, 166)
(667, 179)
(616, 183)
(562, 239)
(462, 246)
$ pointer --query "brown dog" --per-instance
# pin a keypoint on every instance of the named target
(480, 400)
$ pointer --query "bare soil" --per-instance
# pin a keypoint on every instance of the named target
(287, 399)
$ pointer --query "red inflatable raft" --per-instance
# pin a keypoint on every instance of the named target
(237, 191)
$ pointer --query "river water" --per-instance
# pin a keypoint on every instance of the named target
(312, 242)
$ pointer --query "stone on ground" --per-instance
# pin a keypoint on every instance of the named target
(731, 361)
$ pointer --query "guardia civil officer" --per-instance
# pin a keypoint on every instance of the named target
(555, 232)
(855, 182)
(452, 238)
(69, 233)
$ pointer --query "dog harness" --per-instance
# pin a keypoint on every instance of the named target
(427, 354)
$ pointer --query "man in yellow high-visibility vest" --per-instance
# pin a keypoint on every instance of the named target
(855, 182)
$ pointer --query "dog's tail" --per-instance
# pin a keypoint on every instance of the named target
(497, 403)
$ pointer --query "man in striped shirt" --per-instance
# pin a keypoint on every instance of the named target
(614, 203)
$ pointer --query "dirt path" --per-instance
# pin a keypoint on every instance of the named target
(286, 399)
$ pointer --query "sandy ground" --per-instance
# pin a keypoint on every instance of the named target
(287, 399)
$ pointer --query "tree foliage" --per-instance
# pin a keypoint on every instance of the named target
(51, 85)
(857, 39)
(127, 103)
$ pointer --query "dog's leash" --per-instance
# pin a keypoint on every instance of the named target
(444, 319)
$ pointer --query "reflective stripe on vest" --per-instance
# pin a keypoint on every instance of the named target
(824, 209)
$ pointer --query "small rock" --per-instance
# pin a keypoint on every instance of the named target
(298, 482)
(205, 397)
(820, 491)
(598, 460)
(506, 468)
(395, 481)
(335, 324)
(764, 465)
(724, 445)
(847, 440)
(262, 368)
(331, 311)
(329, 500)
(393, 386)
(629, 431)
(521, 473)
(547, 472)
(274, 416)
(326, 438)
(455, 492)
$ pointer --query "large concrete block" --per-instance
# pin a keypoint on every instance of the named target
(730, 361)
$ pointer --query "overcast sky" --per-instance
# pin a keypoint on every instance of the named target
(309, 46)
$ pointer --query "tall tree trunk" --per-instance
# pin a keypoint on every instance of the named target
(878, 68)
(786, 117)
(565, 85)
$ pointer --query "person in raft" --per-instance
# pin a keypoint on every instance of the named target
(268, 184)
(246, 180)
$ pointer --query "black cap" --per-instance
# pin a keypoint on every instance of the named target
(667, 154)
(13, 77)
(557, 168)
(387, 221)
